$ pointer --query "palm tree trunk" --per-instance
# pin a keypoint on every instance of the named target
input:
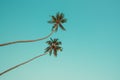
(14, 67)
(26, 41)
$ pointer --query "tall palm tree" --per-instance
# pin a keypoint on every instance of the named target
(58, 20)
(53, 46)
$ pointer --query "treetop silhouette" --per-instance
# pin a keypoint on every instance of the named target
(54, 45)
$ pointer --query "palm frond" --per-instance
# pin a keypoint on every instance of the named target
(57, 15)
(61, 16)
(51, 21)
(47, 49)
(59, 43)
(59, 48)
(63, 20)
(55, 40)
(49, 42)
(55, 53)
(50, 52)
(55, 27)
(53, 17)
(61, 26)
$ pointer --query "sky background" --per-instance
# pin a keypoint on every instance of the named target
(91, 42)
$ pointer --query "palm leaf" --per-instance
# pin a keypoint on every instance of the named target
(50, 52)
(49, 42)
(59, 48)
(58, 43)
(55, 40)
(61, 26)
(51, 39)
(63, 20)
(54, 19)
(55, 27)
(58, 16)
(47, 49)
(55, 52)
(61, 16)
(51, 22)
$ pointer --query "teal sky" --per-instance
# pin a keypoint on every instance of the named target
(91, 41)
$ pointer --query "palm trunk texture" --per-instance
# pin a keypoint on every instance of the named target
(26, 41)
(14, 67)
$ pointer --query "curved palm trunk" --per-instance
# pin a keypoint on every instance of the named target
(25, 41)
(21, 64)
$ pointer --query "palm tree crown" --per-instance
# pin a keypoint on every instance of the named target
(57, 20)
(54, 46)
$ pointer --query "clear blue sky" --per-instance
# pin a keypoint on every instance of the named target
(91, 43)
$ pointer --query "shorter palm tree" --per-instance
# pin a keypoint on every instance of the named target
(53, 46)
(58, 20)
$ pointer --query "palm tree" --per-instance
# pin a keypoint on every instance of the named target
(58, 20)
(53, 46)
